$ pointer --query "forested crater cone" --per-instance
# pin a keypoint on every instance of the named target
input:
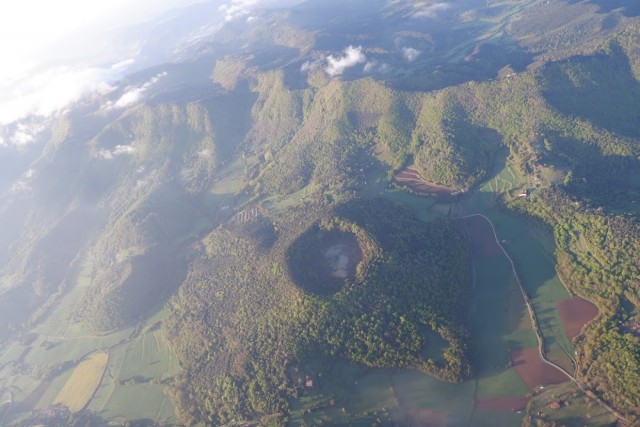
(331, 254)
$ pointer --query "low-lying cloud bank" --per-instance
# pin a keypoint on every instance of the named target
(50, 91)
(410, 54)
(351, 56)
(118, 151)
(133, 95)
(430, 10)
(238, 9)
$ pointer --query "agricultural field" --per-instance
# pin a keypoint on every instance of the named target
(532, 251)
(60, 365)
(83, 382)
(411, 179)
(536, 270)
(573, 408)
(508, 363)
(381, 397)
(576, 312)
(135, 378)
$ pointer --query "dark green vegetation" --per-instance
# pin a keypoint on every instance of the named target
(243, 197)
(410, 287)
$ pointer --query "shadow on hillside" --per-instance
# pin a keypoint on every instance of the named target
(482, 63)
(629, 7)
(600, 88)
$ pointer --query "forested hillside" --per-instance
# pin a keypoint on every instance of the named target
(244, 331)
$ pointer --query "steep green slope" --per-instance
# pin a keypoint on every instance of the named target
(166, 156)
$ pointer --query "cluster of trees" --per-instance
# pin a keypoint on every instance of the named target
(597, 257)
(239, 327)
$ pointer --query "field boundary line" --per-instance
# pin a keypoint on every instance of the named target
(535, 324)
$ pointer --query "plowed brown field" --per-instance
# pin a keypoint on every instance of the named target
(533, 370)
(410, 178)
(574, 313)
(480, 234)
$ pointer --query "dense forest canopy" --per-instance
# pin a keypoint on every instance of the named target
(412, 278)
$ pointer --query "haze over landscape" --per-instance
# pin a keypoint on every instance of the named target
(305, 212)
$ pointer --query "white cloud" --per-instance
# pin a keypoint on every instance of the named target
(410, 54)
(240, 8)
(118, 151)
(34, 32)
(37, 36)
(311, 64)
(369, 66)
(123, 149)
(105, 154)
(133, 94)
(24, 183)
(430, 10)
(352, 56)
(48, 92)
(123, 64)
(237, 9)
(25, 134)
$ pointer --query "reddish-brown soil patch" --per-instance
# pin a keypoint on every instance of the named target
(425, 417)
(411, 179)
(575, 312)
(533, 370)
(501, 404)
(481, 237)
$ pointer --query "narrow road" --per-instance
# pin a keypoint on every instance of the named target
(534, 323)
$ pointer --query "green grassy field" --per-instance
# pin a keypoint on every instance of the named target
(492, 337)
(575, 409)
(144, 360)
(532, 250)
(420, 206)
(54, 388)
(496, 419)
(136, 401)
(369, 396)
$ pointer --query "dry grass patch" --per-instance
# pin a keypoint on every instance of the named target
(83, 382)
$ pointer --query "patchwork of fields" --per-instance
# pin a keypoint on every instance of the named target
(127, 377)
(124, 379)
